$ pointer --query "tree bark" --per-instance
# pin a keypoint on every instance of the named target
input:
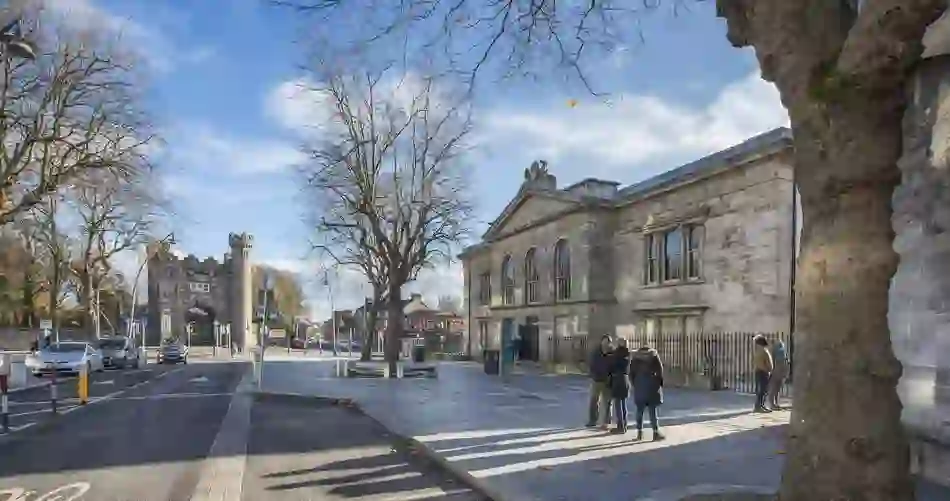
(846, 436)
(394, 325)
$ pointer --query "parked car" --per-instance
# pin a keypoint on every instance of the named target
(118, 352)
(65, 357)
(173, 353)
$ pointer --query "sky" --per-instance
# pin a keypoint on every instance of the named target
(222, 78)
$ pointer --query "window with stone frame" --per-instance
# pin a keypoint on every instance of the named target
(694, 258)
(673, 255)
(562, 270)
(483, 334)
(507, 281)
(531, 276)
(484, 288)
(652, 246)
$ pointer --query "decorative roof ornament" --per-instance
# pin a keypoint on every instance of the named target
(537, 171)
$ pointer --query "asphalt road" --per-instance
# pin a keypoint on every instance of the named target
(34, 405)
(144, 439)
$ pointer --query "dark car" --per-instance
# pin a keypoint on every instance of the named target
(173, 353)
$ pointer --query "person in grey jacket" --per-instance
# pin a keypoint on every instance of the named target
(646, 376)
(780, 369)
(598, 406)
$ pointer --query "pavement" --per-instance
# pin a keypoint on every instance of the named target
(197, 432)
(522, 439)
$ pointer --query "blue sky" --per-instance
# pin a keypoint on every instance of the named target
(219, 67)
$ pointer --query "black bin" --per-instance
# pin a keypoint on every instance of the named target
(419, 353)
(492, 359)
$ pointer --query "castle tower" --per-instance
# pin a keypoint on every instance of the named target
(241, 306)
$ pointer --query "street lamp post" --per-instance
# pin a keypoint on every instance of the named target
(14, 43)
(217, 337)
(168, 239)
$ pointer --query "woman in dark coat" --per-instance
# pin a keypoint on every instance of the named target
(619, 384)
(646, 374)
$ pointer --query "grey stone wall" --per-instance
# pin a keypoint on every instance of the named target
(919, 310)
(746, 213)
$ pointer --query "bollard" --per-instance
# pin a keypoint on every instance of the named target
(53, 388)
(4, 388)
(83, 382)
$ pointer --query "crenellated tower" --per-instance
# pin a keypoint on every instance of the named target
(241, 294)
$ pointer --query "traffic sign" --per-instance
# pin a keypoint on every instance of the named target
(46, 324)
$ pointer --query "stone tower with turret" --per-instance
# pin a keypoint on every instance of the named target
(241, 294)
(201, 293)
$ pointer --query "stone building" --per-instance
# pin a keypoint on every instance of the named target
(186, 290)
(708, 246)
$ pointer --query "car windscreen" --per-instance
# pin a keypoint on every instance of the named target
(112, 344)
(66, 347)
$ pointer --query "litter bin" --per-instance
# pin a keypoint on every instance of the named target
(419, 353)
(492, 359)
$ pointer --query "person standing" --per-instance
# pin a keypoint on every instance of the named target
(780, 370)
(646, 375)
(598, 406)
(762, 363)
(620, 384)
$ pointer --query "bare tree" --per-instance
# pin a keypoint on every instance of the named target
(842, 69)
(75, 110)
(388, 177)
(115, 214)
(54, 250)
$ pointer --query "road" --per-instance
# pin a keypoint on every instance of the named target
(187, 434)
(145, 441)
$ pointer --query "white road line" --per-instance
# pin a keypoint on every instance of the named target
(41, 411)
(222, 473)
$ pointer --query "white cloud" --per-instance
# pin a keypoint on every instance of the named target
(149, 42)
(297, 105)
(633, 129)
(204, 146)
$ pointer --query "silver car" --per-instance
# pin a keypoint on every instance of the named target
(118, 352)
(65, 357)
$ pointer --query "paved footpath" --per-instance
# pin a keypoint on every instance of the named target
(523, 440)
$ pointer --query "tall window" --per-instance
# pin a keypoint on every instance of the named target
(694, 262)
(484, 289)
(483, 334)
(652, 273)
(562, 270)
(673, 257)
(507, 281)
(531, 277)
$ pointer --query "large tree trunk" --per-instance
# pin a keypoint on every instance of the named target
(846, 437)
(394, 326)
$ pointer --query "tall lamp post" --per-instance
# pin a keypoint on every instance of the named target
(168, 239)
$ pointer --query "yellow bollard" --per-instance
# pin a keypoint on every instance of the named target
(83, 381)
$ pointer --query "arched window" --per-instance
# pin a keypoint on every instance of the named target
(507, 281)
(562, 270)
(531, 277)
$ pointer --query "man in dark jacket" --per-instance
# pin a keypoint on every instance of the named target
(646, 375)
(619, 385)
(599, 371)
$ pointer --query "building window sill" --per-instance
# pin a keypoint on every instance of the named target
(674, 283)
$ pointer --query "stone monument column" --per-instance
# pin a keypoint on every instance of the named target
(241, 294)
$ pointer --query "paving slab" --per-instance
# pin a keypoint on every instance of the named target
(522, 440)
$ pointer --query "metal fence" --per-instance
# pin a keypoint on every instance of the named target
(722, 359)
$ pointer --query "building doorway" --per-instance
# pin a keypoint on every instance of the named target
(201, 319)
(529, 348)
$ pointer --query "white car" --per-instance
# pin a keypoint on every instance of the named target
(66, 357)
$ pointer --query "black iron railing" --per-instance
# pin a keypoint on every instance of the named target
(724, 359)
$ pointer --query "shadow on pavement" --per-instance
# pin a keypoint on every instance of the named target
(333, 451)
